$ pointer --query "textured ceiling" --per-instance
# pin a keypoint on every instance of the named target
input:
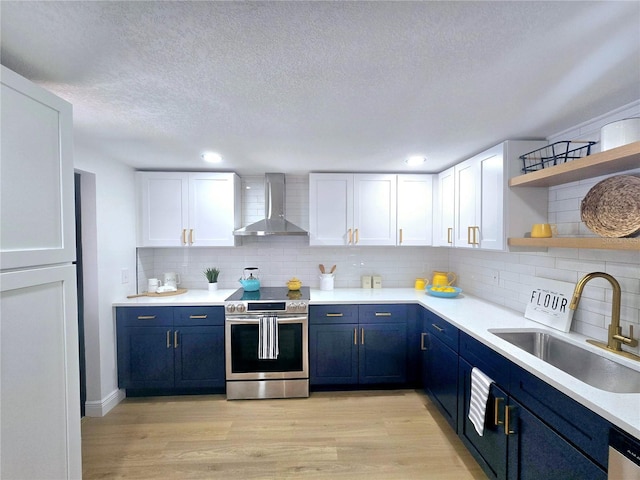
(323, 86)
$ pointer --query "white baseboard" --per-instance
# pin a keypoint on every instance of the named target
(101, 407)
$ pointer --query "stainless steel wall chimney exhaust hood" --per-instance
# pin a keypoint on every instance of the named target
(274, 222)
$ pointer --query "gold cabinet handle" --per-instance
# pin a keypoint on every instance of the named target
(440, 329)
(469, 236)
(146, 317)
(362, 336)
(191, 240)
(357, 236)
(475, 235)
(422, 337)
(200, 317)
(184, 236)
(507, 421)
(335, 314)
(349, 236)
(355, 336)
(400, 236)
(449, 235)
(496, 411)
(383, 314)
(175, 339)
(168, 338)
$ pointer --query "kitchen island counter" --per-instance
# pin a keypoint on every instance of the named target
(476, 317)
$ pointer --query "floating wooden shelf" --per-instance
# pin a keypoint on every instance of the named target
(578, 242)
(618, 159)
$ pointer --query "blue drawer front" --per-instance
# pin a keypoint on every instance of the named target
(185, 316)
(442, 330)
(383, 313)
(333, 314)
(144, 316)
(490, 362)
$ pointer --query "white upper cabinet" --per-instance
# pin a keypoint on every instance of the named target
(36, 172)
(348, 209)
(485, 210)
(370, 209)
(179, 209)
(415, 202)
(443, 208)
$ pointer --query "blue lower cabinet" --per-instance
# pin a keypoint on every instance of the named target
(490, 449)
(145, 357)
(196, 364)
(536, 451)
(355, 345)
(441, 367)
(170, 348)
(531, 430)
(333, 354)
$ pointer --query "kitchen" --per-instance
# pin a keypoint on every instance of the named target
(114, 195)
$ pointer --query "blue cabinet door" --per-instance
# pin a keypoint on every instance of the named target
(383, 353)
(145, 357)
(333, 354)
(442, 378)
(199, 357)
(490, 449)
(536, 451)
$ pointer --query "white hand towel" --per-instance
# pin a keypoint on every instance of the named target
(480, 385)
(268, 338)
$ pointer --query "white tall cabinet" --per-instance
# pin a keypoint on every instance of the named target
(476, 209)
(178, 209)
(39, 385)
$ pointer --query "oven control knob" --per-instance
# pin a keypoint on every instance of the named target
(241, 308)
(231, 308)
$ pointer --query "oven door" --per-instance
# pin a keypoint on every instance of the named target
(241, 347)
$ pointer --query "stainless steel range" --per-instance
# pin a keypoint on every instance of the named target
(267, 343)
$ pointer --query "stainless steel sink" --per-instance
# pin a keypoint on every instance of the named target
(589, 367)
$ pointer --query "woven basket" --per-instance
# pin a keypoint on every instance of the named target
(612, 207)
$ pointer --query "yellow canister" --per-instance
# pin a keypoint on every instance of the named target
(420, 284)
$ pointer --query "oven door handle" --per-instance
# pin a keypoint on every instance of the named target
(255, 319)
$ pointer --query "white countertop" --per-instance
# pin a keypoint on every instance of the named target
(475, 317)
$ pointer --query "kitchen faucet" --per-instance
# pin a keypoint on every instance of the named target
(615, 337)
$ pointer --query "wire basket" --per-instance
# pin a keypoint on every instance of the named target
(554, 154)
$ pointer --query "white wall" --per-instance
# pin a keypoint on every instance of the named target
(109, 229)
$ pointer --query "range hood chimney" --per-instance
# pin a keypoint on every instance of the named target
(274, 222)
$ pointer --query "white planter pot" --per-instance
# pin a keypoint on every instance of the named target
(213, 287)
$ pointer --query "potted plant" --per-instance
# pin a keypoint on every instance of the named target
(212, 277)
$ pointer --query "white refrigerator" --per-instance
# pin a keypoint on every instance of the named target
(39, 376)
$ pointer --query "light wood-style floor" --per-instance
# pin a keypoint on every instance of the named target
(338, 435)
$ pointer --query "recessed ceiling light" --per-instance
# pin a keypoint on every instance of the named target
(415, 160)
(211, 157)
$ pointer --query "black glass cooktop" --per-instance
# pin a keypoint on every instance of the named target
(268, 294)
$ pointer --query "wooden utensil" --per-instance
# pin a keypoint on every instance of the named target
(161, 294)
(321, 268)
(333, 269)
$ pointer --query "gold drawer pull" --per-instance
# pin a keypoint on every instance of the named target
(355, 336)
(168, 338)
(191, 240)
(507, 421)
(496, 411)
(400, 237)
(362, 336)
(422, 337)
(449, 235)
(201, 317)
(146, 317)
(440, 329)
(184, 236)
(175, 339)
(350, 237)
(383, 314)
(335, 314)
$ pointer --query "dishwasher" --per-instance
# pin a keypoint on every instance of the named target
(624, 456)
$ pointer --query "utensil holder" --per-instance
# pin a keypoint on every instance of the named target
(326, 281)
